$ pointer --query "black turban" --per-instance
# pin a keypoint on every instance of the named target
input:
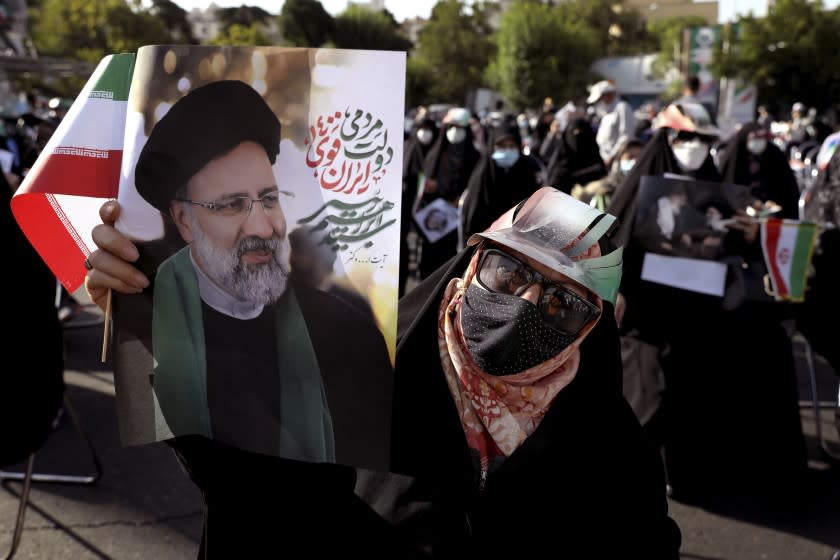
(208, 122)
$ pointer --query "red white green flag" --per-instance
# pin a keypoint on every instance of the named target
(57, 203)
(788, 246)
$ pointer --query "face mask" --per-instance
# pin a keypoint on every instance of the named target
(424, 136)
(505, 334)
(456, 134)
(691, 155)
(601, 108)
(625, 165)
(757, 146)
(505, 158)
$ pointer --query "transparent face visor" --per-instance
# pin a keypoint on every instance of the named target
(557, 230)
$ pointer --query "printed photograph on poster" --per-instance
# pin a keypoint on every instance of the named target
(682, 217)
(436, 219)
(262, 187)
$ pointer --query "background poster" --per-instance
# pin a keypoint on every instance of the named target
(436, 219)
(684, 217)
(340, 156)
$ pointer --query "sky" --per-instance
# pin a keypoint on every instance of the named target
(403, 9)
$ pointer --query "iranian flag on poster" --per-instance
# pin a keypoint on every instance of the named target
(57, 205)
(787, 246)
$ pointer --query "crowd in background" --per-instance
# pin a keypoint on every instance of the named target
(675, 343)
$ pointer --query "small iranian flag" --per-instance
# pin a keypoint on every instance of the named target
(788, 246)
(57, 203)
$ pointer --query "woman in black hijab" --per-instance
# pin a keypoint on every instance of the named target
(751, 159)
(502, 178)
(573, 157)
(422, 137)
(447, 169)
(693, 364)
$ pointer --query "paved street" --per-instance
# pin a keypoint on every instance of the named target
(144, 507)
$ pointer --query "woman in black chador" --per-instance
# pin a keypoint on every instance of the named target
(417, 146)
(712, 379)
(751, 159)
(503, 177)
(447, 170)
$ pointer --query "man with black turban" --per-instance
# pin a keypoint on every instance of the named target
(248, 365)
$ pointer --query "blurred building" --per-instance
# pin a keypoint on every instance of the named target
(664, 9)
(204, 24)
(633, 76)
(411, 27)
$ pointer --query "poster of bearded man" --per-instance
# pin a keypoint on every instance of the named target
(228, 150)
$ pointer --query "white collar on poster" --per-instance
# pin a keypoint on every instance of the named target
(222, 301)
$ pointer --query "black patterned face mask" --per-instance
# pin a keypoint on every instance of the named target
(506, 334)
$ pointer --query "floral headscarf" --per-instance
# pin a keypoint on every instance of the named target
(499, 412)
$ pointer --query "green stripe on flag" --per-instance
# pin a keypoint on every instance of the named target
(804, 245)
(115, 81)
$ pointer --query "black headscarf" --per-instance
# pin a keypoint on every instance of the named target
(414, 156)
(451, 164)
(492, 190)
(574, 158)
(414, 152)
(656, 159)
(776, 181)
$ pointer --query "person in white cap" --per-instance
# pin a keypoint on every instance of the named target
(617, 122)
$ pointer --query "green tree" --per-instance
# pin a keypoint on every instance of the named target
(541, 53)
(175, 19)
(790, 55)
(242, 35)
(90, 29)
(621, 30)
(243, 15)
(454, 45)
(669, 36)
(305, 23)
(361, 28)
(419, 81)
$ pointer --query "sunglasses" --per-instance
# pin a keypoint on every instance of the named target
(562, 309)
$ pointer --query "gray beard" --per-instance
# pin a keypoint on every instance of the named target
(255, 283)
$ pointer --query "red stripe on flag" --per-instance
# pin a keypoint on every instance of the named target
(55, 240)
(76, 174)
(773, 231)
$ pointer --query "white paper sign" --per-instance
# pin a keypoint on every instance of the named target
(695, 275)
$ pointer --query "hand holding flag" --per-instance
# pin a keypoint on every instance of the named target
(788, 246)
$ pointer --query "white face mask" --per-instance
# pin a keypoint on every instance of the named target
(691, 155)
(601, 108)
(456, 134)
(424, 136)
(757, 145)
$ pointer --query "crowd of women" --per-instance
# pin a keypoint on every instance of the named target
(711, 377)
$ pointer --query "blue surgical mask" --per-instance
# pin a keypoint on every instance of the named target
(505, 158)
(625, 165)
